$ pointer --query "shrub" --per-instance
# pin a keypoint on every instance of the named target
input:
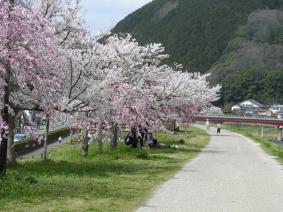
(181, 141)
(169, 150)
(143, 155)
(31, 180)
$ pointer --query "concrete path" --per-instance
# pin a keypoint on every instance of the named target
(37, 153)
(232, 174)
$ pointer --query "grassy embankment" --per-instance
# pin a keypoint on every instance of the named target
(267, 142)
(117, 180)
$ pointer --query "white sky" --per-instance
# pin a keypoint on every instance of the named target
(102, 15)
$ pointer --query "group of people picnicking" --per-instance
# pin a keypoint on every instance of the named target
(139, 136)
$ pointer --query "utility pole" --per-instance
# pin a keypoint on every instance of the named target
(262, 131)
(44, 155)
(280, 133)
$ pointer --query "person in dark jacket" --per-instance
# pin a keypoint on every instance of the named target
(152, 142)
(143, 134)
(132, 138)
(218, 127)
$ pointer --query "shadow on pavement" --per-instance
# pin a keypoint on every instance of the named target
(213, 151)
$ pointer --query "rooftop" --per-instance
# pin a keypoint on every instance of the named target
(253, 102)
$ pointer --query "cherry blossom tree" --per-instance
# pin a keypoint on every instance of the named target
(78, 49)
(28, 65)
(68, 26)
(154, 87)
(115, 80)
(64, 15)
(171, 94)
(147, 91)
(107, 80)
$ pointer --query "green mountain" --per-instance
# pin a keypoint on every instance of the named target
(252, 65)
(194, 32)
(199, 34)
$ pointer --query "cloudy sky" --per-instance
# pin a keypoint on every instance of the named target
(102, 15)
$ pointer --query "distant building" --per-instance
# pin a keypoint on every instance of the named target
(249, 107)
(252, 104)
(236, 108)
(276, 108)
(280, 113)
(264, 112)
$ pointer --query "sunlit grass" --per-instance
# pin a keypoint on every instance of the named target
(117, 180)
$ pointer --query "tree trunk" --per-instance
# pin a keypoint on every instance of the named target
(85, 144)
(3, 153)
(11, 154)
(5, 118)
(5, 112)
(4, 132)
(114, 141)
(187, 127)
(44, 158)
(71, 135)
(100, 140)
(174, 126)
(100, 145)
(18, 123)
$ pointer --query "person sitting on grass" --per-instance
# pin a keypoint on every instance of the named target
(152, 142)
(132, 138)
(142, 132)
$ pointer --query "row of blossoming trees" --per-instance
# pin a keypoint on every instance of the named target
(50, 62)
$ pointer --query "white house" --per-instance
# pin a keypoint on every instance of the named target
(250, 103)
(280, 113)
(250, 107)
(264, 112)
(276, 108)
(236, 108)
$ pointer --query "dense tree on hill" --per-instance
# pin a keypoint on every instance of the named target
(194, 32)
(252, 66)
(239, 41)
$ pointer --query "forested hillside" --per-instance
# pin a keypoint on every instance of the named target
(239, 42)
(194, 32)
(252, 66)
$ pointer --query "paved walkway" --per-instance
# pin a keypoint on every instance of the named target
(37, 153)
(232, 174)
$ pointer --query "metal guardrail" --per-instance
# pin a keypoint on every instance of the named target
(240, 119)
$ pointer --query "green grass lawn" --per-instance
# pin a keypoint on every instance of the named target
(267, 142)
(119, 180)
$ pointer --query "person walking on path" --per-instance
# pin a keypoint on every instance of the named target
(218, 127)
(60, 139)
(207, 124)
